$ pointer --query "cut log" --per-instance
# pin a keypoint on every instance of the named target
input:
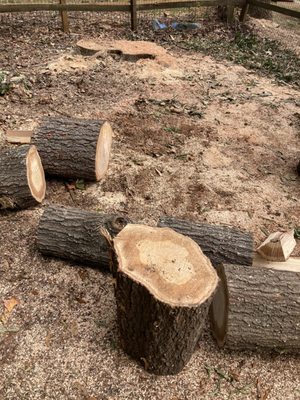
(74, 148)
(164, 288)
(221, 244)
(22, 179)
(76, 235)
(257, 307)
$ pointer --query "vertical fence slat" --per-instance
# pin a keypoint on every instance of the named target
(133, 13)
(64, 18)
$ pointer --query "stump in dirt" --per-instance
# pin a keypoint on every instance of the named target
(221, 244)
(257, 307)
(164, 287)
(22, 179)
(77, 235)
(74, 148)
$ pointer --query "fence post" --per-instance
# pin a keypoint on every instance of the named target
(244, 11)
(133, 14)
(64, 18)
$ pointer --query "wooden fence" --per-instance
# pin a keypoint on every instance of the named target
(134, 6)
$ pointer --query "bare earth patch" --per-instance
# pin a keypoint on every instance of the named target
(198, 139)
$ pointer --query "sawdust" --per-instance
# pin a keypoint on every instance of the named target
(234, 165)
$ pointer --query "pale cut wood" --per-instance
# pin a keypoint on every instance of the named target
(278, 246)
(292, 264)
(164, 287)
(22, 179)
(74, 148)
(18, 137)
(257, 307)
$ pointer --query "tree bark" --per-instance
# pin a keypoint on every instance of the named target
(22, 179)
(74, 148)
(163, 291)
(221, 244)
(257, 307)
(76, 235)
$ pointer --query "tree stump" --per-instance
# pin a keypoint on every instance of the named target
(74, 148)
(221, 244)
(163, 291)
(77, 235)
(257, 307)
(22, 179)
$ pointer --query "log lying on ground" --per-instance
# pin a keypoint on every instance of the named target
(257, 307)
(221, 244)
(76, 235)
(74, 148)
(22, 179)
(164, 288)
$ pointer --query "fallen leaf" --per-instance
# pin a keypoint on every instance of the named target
(9, 305)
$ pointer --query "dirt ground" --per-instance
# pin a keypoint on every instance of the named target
(193, 138)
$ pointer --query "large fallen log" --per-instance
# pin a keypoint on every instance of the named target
(74, 148)
(22, 179)
(257, 307)
(77, 235)
(221, 244)
(163, 291)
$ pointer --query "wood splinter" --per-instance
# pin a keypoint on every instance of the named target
(164, 287)
(278, 246)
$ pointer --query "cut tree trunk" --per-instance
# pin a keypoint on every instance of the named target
(221, 244)
(74, 148)
(257, 307)
(22, 179)
(164, 288)
(77, 235)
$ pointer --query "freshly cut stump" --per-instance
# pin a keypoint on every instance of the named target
(22, 178)
(221, 244)
(164, 288)
(74, 148)
(78, 235)
(257, 307)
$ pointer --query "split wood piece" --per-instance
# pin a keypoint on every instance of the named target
(278, 246)
(257, 308)
(18, 137)
(292, 264)
(219, 243)
(77, 235)
(22, 179)
(164, 288)
(74, 148)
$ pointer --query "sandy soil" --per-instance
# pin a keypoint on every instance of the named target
(197, 139)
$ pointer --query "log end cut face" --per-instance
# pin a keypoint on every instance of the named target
(171, 266)
(35, 175)
(103, 150)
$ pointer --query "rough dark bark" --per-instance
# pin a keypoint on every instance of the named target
(68, 147)
(16, 187)
(161, 334)
(257, 307)
(221, 244)
(74, 234)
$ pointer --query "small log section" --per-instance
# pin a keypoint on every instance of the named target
(74, 148)
(257, 307)
(77, 235)
(22, 179)
(221, 244)
(163, 291)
